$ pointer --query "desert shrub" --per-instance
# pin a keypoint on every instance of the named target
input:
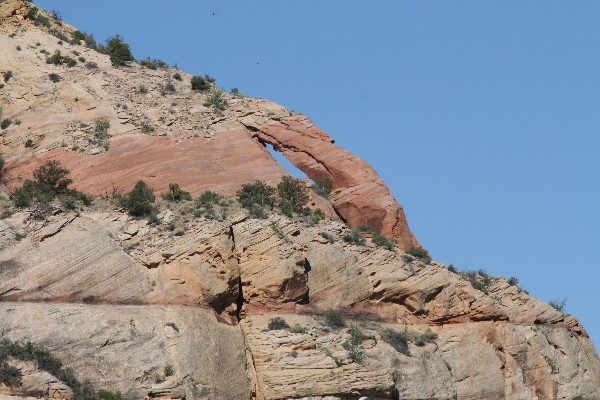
(199, 83)
(139, 202)
(452, 268)
(316, 216)
(81, 59)
(141, 89)
(398, 340)
(335, 319)
(420, 253)
(256, 193)
(559, 305)
(52, 177)
(208, 199)
(58, 59)
(384, 242)
(54, 77)
(292, 195)
(22, 197)
(175, 193)
(168, 88)
(323, 186)
(38, 19)
(354, 345)
(118, 51)
(298, 329)
(428, 336)
(1, 168)
(7, 75)
(101, 126)
(479, 279)
(277, 323)
(256, 211)
(513, 281)
(77, 37)
(153, 63)
(354, 237)
(9, 375)
(168, 370)
(147, 127)
(235, 91)
(177, 76)
(216, 100)
(5, 123)
(107, 395)
(29, 143)
(91, 65)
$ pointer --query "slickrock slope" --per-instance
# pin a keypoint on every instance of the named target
(118, 298)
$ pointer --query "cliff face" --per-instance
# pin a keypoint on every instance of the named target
(118, 298)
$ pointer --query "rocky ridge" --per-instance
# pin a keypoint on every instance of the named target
(118, 298)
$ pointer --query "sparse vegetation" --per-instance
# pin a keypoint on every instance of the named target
(5, 123)
(277, 323)
(140, 201)
(38, 19)
(354, 345)
(256, 194)
(59, 59)
(335, 319)
(7, 75)
(91, 65)
(323, 186)
(419, 253)
(559, 305)
(153, 63)
(168, 370)
(208, 199)
(1, 168)
(177, 76)
(354, 237)
(118, 51)
(216, 100)
(29, 143)
(46, 361)
(146, 127)
(292, 195)
(176, 194)
(101, 126)
(298, 329)
(384, 242)
(397, 339)
(479, 279)
(141, 89)
(199, 83)
(54, 77)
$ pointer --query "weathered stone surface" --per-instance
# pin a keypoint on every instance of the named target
(124, 348)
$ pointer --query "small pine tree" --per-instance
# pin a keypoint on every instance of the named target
(118, 51)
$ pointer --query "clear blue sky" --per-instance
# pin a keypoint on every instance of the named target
(483, 117)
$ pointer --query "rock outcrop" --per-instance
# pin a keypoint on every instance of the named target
(237, 307)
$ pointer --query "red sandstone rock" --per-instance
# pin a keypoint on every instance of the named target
(359, 195)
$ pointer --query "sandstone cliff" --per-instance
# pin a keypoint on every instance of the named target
(118, 298)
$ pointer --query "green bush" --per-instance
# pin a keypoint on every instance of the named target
(77, 37)
(216, 100)
(58, 59)
(139, 202)
(208, 199)
(22, 197)
(354, 345)
(277, 323)
(256, 193)
(153, 63)
(292, 195)
(199, 83)
(9, 375)
(118, 51)
(354, 237)
(176, 194)
(316, 216)
(335, 319)
(101, 126)
(384, 242)
(323, 186)
(177, 76)
(141, 89)
(38, 19)
(168, 370)
(54, 77)
(52, 177)
(5, 123)
(298, 329)
(420, 253)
